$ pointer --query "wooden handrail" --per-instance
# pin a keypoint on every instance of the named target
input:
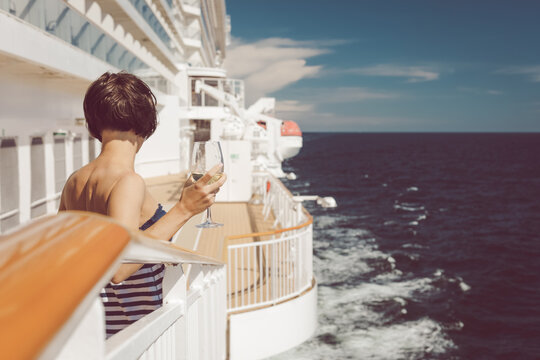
(274, 232)
(50, 266)
(46, 271)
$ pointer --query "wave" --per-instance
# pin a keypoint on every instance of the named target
(349, 326)
(409, 207)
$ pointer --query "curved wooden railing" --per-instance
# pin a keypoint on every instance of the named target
(51, 274)
(273, 232)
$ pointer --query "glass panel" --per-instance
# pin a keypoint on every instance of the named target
(9, 182)
(59, 163)
(37, 170)
(202, 130)
(77, 153)
(152, 20)
(54, 17)
(209, 100)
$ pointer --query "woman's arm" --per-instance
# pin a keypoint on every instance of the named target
(127, 197)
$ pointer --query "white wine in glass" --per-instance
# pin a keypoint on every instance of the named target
(206, 155)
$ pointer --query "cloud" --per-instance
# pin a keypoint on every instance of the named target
(306, 102)
(329, 121)
(479, 91)
(412, 73)
(294, 106)
(271, 64)
(339, 95)
(532, 71)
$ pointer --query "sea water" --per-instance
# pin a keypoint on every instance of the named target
(434, 249)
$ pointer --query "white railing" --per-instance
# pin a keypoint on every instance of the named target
(268, 272)
(278, 199)
(191, 324)
(276, 265)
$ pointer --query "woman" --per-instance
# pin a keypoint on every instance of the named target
(120, 112)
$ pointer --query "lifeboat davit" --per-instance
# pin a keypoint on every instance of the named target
(290, 141)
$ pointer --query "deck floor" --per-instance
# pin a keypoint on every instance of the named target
(238, 218)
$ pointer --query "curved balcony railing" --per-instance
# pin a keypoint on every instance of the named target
(56, 18)
(274, 266)
(59, 20)
(151, 19)
(51, 275)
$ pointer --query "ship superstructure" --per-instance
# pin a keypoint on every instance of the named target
(50, 51)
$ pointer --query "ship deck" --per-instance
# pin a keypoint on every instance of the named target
(238, 219)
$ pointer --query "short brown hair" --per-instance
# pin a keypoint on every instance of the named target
(122, 102)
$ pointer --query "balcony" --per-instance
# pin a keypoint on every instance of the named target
(230, 86)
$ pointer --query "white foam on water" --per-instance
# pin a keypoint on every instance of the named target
(370, 292)
(324, 221)
(418, 339)
(350, 316)
(339, 266)
(409, 340)
(413, 246)
(413, 223)
(421, 217)
(389, 222)
(400, 300)
(385, 185)
(412, 188)
(408, 207)
(463, 285)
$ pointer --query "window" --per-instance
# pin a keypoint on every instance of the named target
(9, 184)
(202, 130)
(208, 99)
(38, 193)
(59, 164)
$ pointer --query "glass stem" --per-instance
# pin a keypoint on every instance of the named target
(208, 215)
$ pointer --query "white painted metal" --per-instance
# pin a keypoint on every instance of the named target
(266, 332)
(237, 166)
(191, 324)
(287, 257)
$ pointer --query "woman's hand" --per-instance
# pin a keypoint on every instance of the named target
(197, 197)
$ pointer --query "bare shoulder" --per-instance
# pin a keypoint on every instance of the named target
(71, 190)
(126, 198)
(129, 182)
(129, 187)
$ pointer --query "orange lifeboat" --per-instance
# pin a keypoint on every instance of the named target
(290, 128)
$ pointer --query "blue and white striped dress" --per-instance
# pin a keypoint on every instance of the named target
(138, 295)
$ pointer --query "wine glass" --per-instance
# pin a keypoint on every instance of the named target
(206, 155)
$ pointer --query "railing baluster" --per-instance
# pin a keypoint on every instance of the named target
(229, 270)
(260, 274)
(266, 264)
(236, 278)
(242, 272)
(248, 276)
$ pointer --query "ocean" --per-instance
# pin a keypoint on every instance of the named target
(434, 249)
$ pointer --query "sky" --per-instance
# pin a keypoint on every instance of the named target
(391, 65)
